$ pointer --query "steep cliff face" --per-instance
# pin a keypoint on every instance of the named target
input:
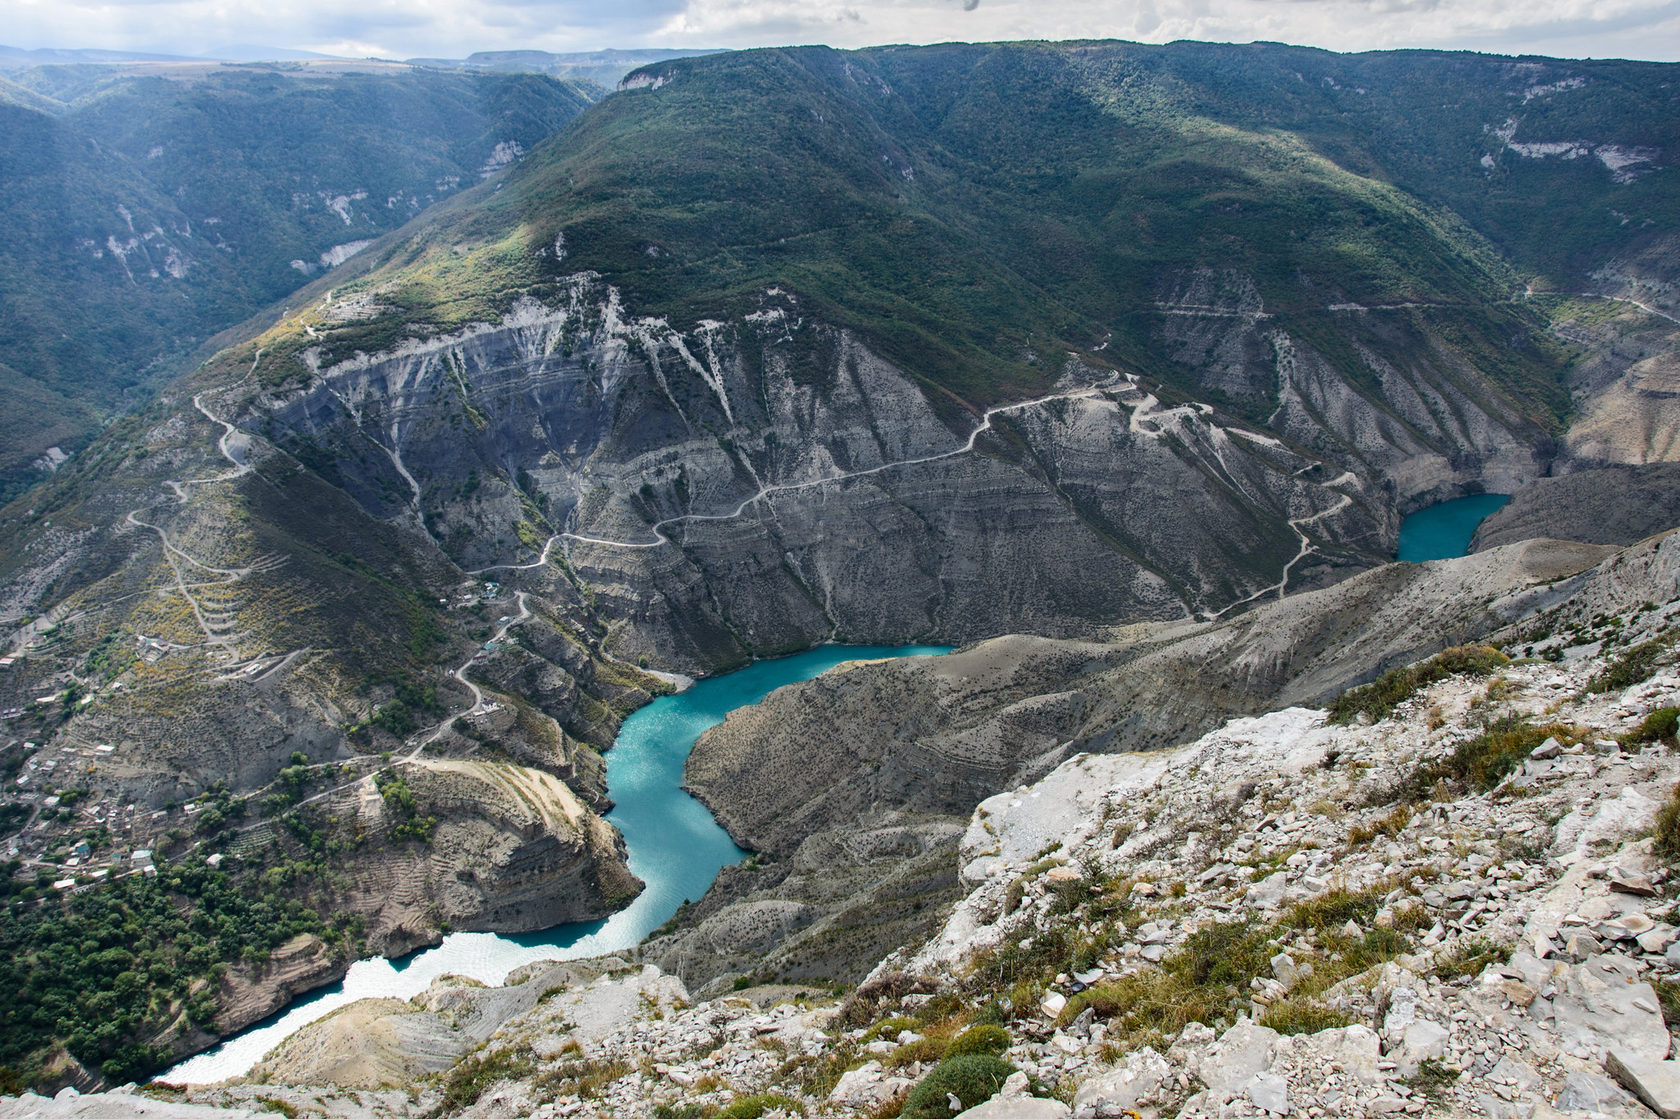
(1415, 412)
(1626, 380)
(756, 485)
(509, 848)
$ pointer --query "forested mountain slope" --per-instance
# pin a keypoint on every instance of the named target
(146, 213)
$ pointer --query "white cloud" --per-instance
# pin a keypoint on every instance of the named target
(1635, 28)
(405, 28)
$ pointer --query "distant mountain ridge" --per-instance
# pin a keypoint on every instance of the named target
(11, 57)
(603, 67)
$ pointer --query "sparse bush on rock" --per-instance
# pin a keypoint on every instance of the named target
(753, 1107)
(1659, 726)
(1378, 699)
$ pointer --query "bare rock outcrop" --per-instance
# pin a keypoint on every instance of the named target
(513, 850)
(1616, 505)
(249, 994)
(510, 849)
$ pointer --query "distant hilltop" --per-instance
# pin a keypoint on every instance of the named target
(604, 67)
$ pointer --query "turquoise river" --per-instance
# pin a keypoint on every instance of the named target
(1444, 530)
(675, 847)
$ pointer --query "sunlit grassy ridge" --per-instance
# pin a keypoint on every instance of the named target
(975, 211)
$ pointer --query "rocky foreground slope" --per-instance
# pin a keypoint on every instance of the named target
(855, 787)
(1457, 899)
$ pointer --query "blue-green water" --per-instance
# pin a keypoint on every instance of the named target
(675, 847)
(1443, 531)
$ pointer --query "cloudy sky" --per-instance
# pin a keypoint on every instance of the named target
(1647, 29)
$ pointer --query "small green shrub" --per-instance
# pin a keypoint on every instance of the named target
(1667, 842)
(1659, 726)
(1333, 909)
(1483, 761)
(584, 1079)
(927, 1050)
(1210, 977)
(973, 1078)
(1379, 698)
(279, 1106)
(1433, 1078)
(979, 1039)
(1668, 998)
(1390, 825)
(863, 1004)
(683, 1111)
(1471, 958)
(1012, 896)
(1202, 982)
(1226, 954)
(752, 1107)
(1635, 666)
(464, 1083)
(890, 1028)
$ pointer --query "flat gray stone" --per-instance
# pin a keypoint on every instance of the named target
(1600, 1005)
(1515, 1071)
(1632, 925)
(1424, 1040)
(861, 1087)
(1019, 1107)
(1356, 1048)
(1269, 1092)
(1287, 971)
(1656, 1083)
(1459, 891)
(1268, 892)
(1244, 1050)
(1585, 1091)
(1137, 1080)
(1632, 882)
(1655, 941)
(1492, 1107)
